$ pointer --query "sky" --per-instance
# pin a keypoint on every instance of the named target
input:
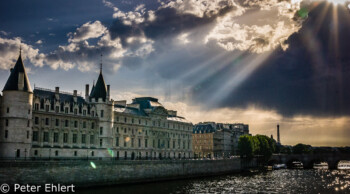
(260, 62)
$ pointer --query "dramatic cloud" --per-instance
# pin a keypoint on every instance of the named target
(87, 31)
(9, 51)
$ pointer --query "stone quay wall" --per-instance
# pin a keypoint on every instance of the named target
(83, 174)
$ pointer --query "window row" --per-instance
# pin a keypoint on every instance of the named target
(64, 138)
(66, 123)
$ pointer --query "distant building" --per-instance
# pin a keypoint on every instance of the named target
(43, 123)
(212, 139)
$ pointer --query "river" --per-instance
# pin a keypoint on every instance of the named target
(278, 181)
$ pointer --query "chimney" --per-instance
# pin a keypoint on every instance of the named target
(108, 91)
(57, 91)
(87, 92)
(75, 94)
(278, 134)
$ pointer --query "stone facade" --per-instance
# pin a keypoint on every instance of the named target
(218, 140)
(53, 124)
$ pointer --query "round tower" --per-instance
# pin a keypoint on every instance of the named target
(16, 114)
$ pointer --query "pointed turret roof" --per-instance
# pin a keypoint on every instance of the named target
(16, 81)
(100, 89)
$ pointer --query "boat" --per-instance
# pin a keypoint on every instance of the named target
(279, 166)
(343, 166)
(297, 165)
(321, 165)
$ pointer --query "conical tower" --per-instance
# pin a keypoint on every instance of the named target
(99, 96)
(16, 114)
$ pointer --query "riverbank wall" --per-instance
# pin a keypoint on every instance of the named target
(98, 173)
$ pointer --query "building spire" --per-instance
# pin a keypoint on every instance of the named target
(20, 49)
(101, 64)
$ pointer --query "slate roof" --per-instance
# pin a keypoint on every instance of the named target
(147, 102)
(63, 97)
(100, 89)
(203, 128)
(12, 82)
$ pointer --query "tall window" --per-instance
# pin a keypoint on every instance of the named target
(74, 138)
(57, 109)
(101, 142)
(84, 124)
(55, 137)
(57, 122)
(146, 143)
(7, 110)
(132, 142)
(6, 133)
(47, 108)
(75, 124)
(92, 125)
(83, 138)
(92, 113)
(46, 136)
(139, 142)
(27, 134)
(125, 142)
(66, 110)
(101, 130)
(65, 137)
(66, 123)
(75, 111)
(46, 121)
(84, 112)
(7, 123)
(28, 123)
(35, 136)
(36, 106)
(117, 141)
(36, 120)
(102, 113)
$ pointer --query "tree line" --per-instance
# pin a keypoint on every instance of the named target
(263, 147)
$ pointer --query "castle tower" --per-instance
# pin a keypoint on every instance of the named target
(99, 96)
(16, 114)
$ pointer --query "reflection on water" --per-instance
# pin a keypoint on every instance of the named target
(279, 181)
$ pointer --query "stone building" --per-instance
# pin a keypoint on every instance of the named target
(44, 123)
(218, 140)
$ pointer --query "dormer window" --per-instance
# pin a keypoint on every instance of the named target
(92, 113)
(84, 112)
(66, 110)
(47, 108)
(36, 106)
(57, 109)
(75, 111)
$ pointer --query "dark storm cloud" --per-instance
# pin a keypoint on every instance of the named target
(312, 77)
(168, 22)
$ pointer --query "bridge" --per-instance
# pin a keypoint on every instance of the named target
(308, 160)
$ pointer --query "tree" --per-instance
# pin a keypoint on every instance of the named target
(264, 148)
(246, 146)
(302, 149)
